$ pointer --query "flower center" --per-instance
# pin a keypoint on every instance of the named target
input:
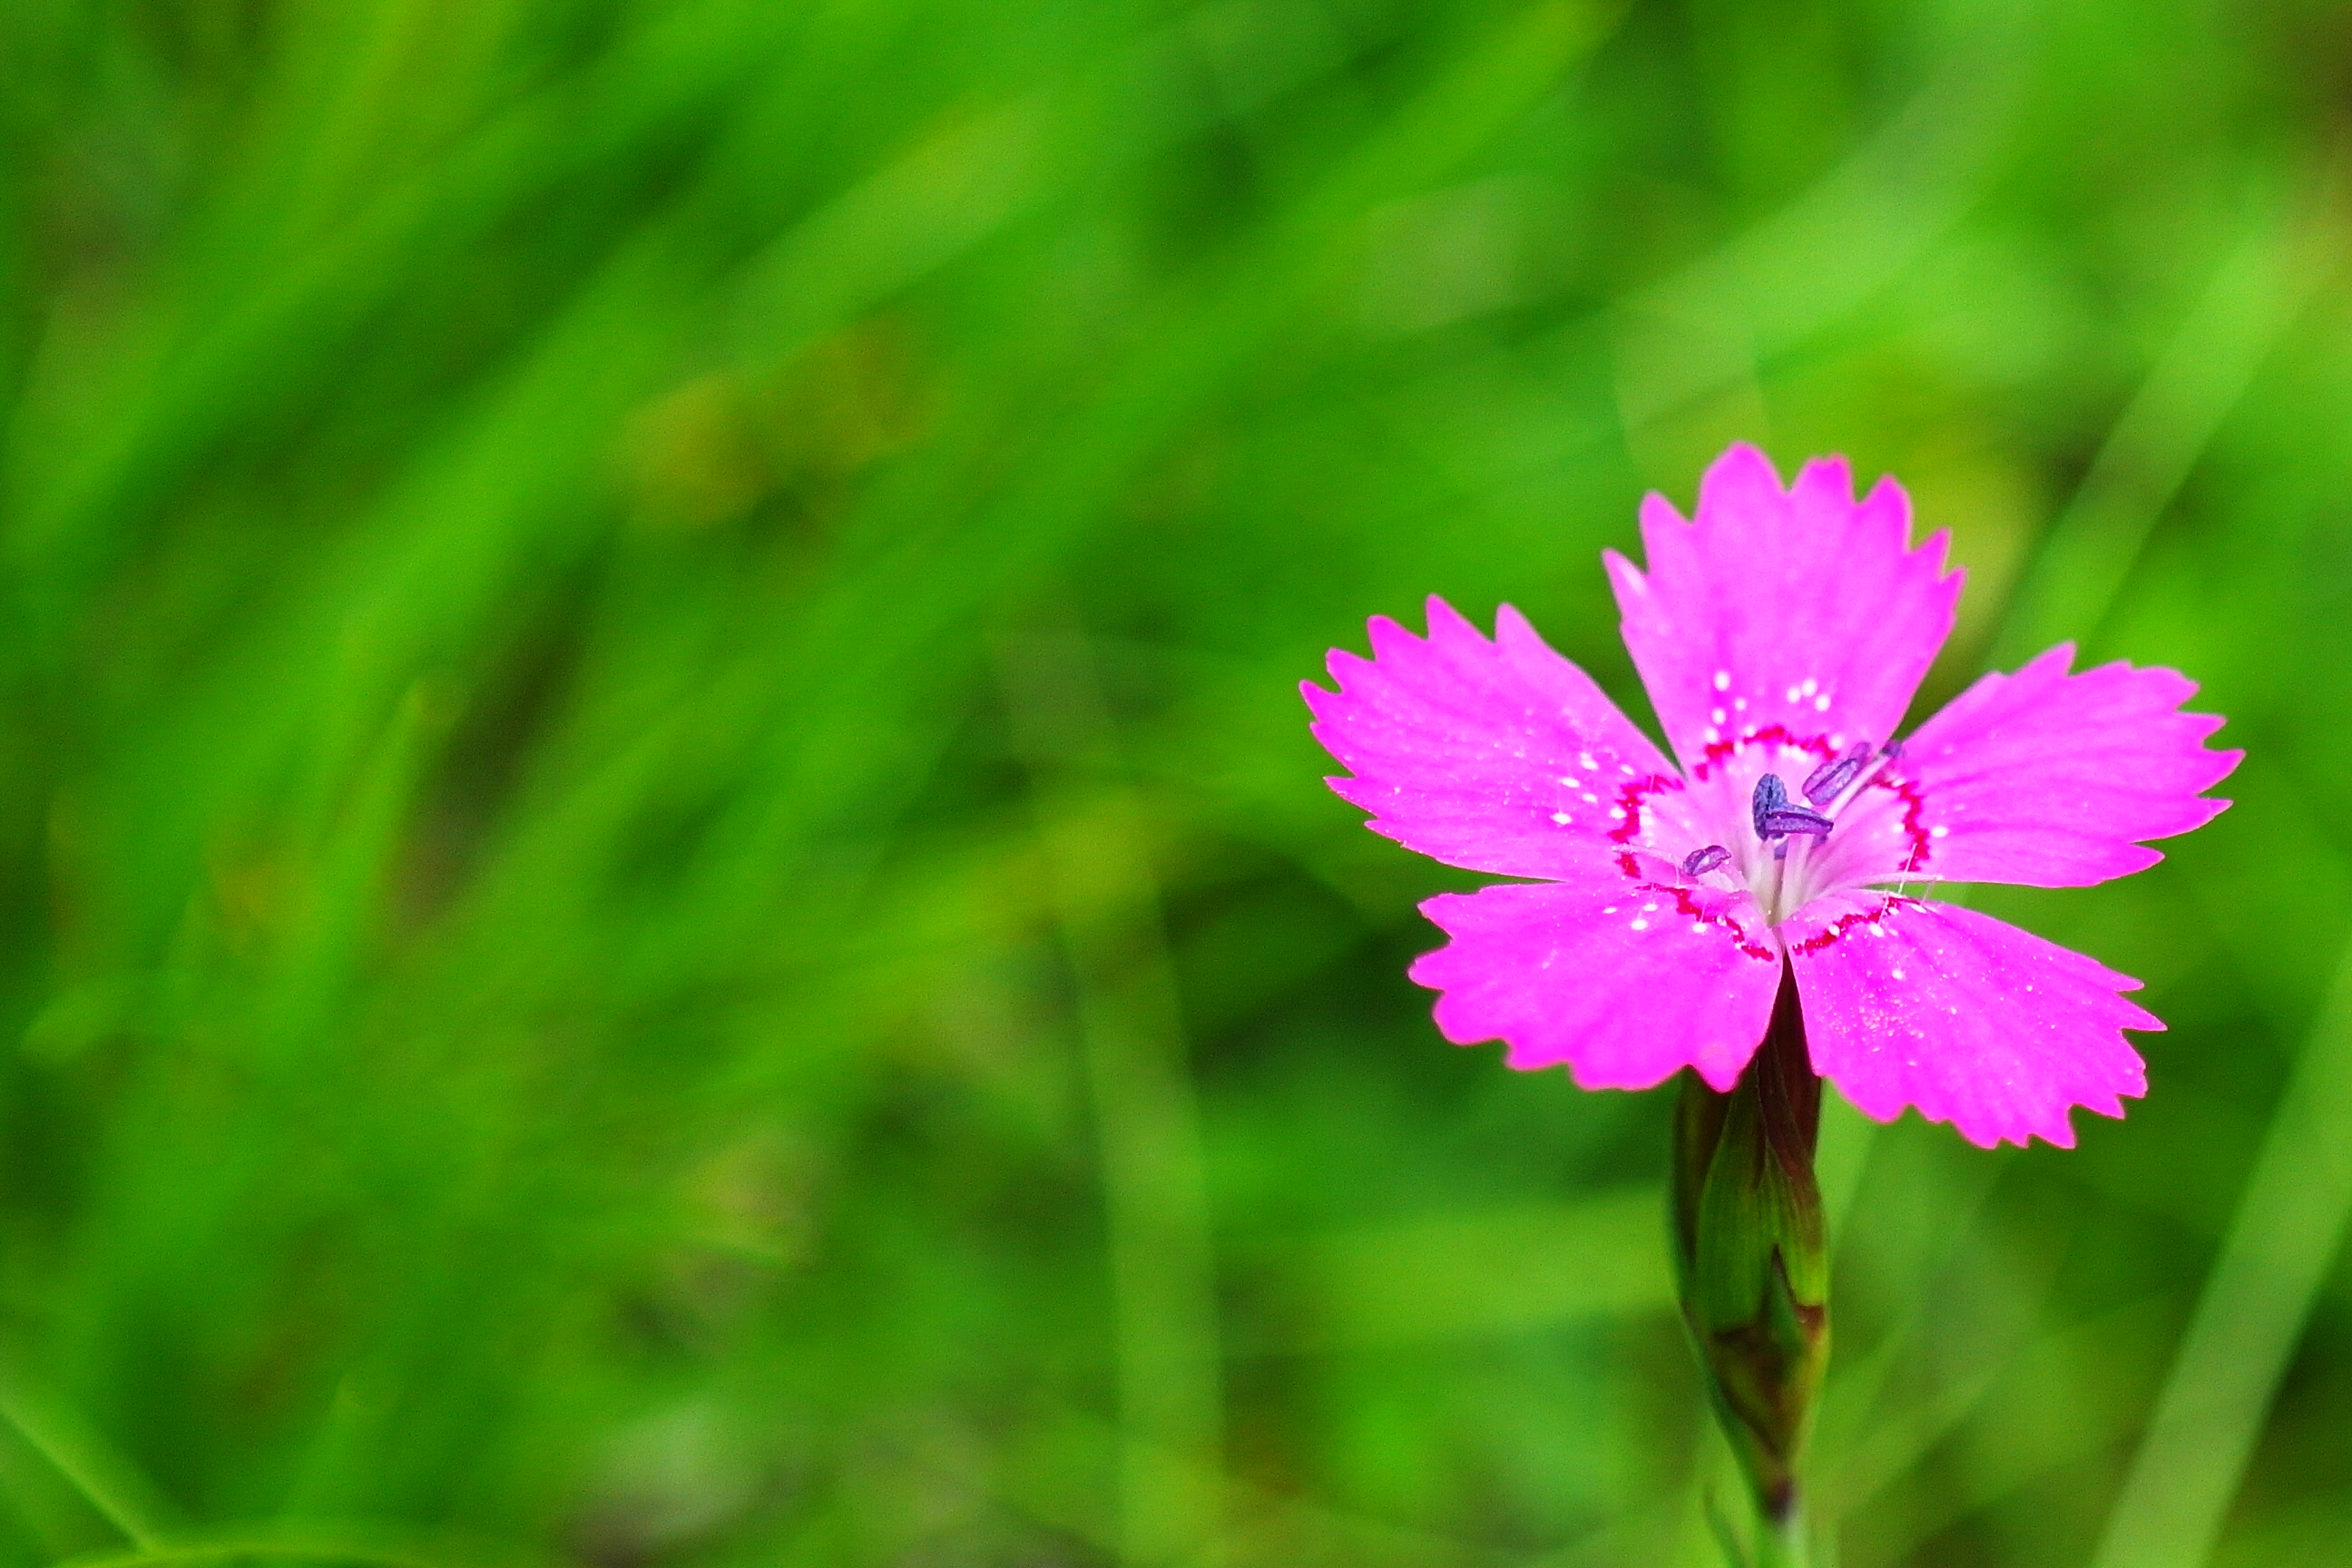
(1784, 883)
(1734, 823)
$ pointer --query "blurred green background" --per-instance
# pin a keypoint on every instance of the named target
(663, 895)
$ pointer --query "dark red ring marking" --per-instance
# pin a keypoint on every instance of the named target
(1630, 796)
(1844, 923)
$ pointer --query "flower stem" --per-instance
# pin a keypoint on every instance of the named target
(1773, 1542)
(1780, 1542)
(1751, 1254)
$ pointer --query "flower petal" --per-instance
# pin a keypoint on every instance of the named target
(1498, 756)
(1801, 608)
(2048, 779)
(1970, 1020)
(1623, 980)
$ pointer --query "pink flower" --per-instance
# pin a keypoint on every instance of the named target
(1781, 636)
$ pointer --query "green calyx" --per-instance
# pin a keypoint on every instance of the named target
(1751, 1251)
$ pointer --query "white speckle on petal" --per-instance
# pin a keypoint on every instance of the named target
(1584, 760)
(1719, 716)
(1592, 800)
(1723, 680)
(1609, 909)
(1898, 974)
(1939, 831)
(1561, 817)
(1641, 924)
(1809, 686)
(1821, 703)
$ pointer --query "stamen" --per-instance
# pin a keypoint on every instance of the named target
(1770, 795)
(1794, 819)
(1822, 785)
(1699, 862)
(1775, 816)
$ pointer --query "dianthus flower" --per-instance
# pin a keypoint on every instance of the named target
(1781, 635)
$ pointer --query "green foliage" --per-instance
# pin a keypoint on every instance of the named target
(665, 899)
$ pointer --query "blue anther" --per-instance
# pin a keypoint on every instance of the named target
(1794, 819)
(1770, 795)
(1825, 782)
(1776, 817)
(1699, 862)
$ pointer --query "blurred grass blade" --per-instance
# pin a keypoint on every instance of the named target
(941, 197)
(2288, 1228)
(2082, 564)
(262, 327)
(1477, 1274)
(105, 1479)
(2014, 1449)
(1097, 847)
(315, 1543)
(1707, 327)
